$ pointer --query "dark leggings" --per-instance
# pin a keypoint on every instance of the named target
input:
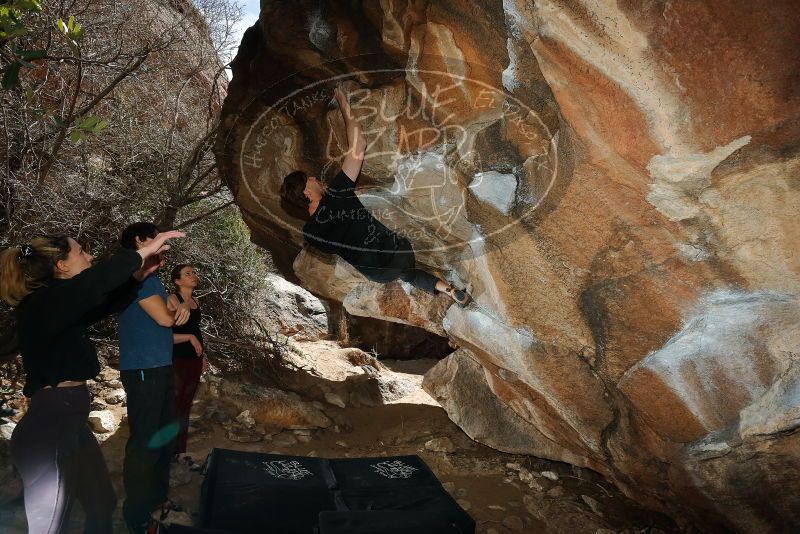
(151, 444)
(416, 277)
(58, 458)
(187, 378)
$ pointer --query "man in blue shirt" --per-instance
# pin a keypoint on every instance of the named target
(145, 364)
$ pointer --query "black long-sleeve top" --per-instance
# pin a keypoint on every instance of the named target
(52, 320)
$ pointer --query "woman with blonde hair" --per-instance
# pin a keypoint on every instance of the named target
(56, 294)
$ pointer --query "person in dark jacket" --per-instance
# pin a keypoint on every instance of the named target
(188, 354)
(56, 294)
(338, 223)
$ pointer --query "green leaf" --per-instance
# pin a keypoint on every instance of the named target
(59, 121)
(71, 23)
(30, 5)
(75, 136)
(61, 26)
(31, 54)
(11, 76)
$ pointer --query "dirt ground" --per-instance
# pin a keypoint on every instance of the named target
(503, 493)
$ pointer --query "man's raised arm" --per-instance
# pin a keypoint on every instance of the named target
(355, 138)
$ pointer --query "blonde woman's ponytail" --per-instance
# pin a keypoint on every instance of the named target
(24, 268)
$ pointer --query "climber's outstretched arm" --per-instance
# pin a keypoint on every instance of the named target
(354, 158)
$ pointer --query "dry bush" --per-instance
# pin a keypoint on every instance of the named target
(116, 126)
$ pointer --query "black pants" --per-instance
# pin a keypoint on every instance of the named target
(58, 458)
(402, 267)
(148, 453)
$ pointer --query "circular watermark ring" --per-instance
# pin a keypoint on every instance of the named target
(514, 190)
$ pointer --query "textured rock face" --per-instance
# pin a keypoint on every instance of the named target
(619, 182)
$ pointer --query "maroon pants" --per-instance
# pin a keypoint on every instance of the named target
(187, 378)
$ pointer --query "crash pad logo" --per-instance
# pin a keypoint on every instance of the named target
(394, 469)
(287, 470)
(438, 141)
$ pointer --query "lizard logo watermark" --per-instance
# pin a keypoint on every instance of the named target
(449, 162)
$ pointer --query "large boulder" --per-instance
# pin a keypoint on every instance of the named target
(619, 185)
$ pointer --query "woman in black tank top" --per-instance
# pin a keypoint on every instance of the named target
(188, 354)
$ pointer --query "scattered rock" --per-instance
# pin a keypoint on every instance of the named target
(465, 504)
(242, 434)
(525, 475)
(514, 523)
(341, 444)
(534, 485)
(497, 507)
(450, 487)
(556, 491)
(108, 374)
(114, 384)
(97, 404)
(179, 475)
(461, 493)
(115, 396)
(335, 399)
(442, 444)
(593, 504)
(246, 419)
(513, 466)
(272, 407)
(103, 421)
(550, 475)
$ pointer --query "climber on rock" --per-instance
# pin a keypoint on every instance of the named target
(338, 223)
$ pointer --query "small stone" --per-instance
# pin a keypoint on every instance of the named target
(443, 444)
(97, 405)
(335, 399)
(6, 430)
(593, 504)
(116, 396)
(103, 421)
(304, 438)
(514, 523)
(497, 507)
(342, 444)
(534, 485)
(513, 466)
(465, 504)
(246, 419)
(549, 474)
(242, 434)
(556, 491)
(525, 475)
(114, 384)
(461, 492)
(179, 475)
(449, 487)
(108, 374)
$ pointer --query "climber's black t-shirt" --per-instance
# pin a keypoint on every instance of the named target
(342, 225)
